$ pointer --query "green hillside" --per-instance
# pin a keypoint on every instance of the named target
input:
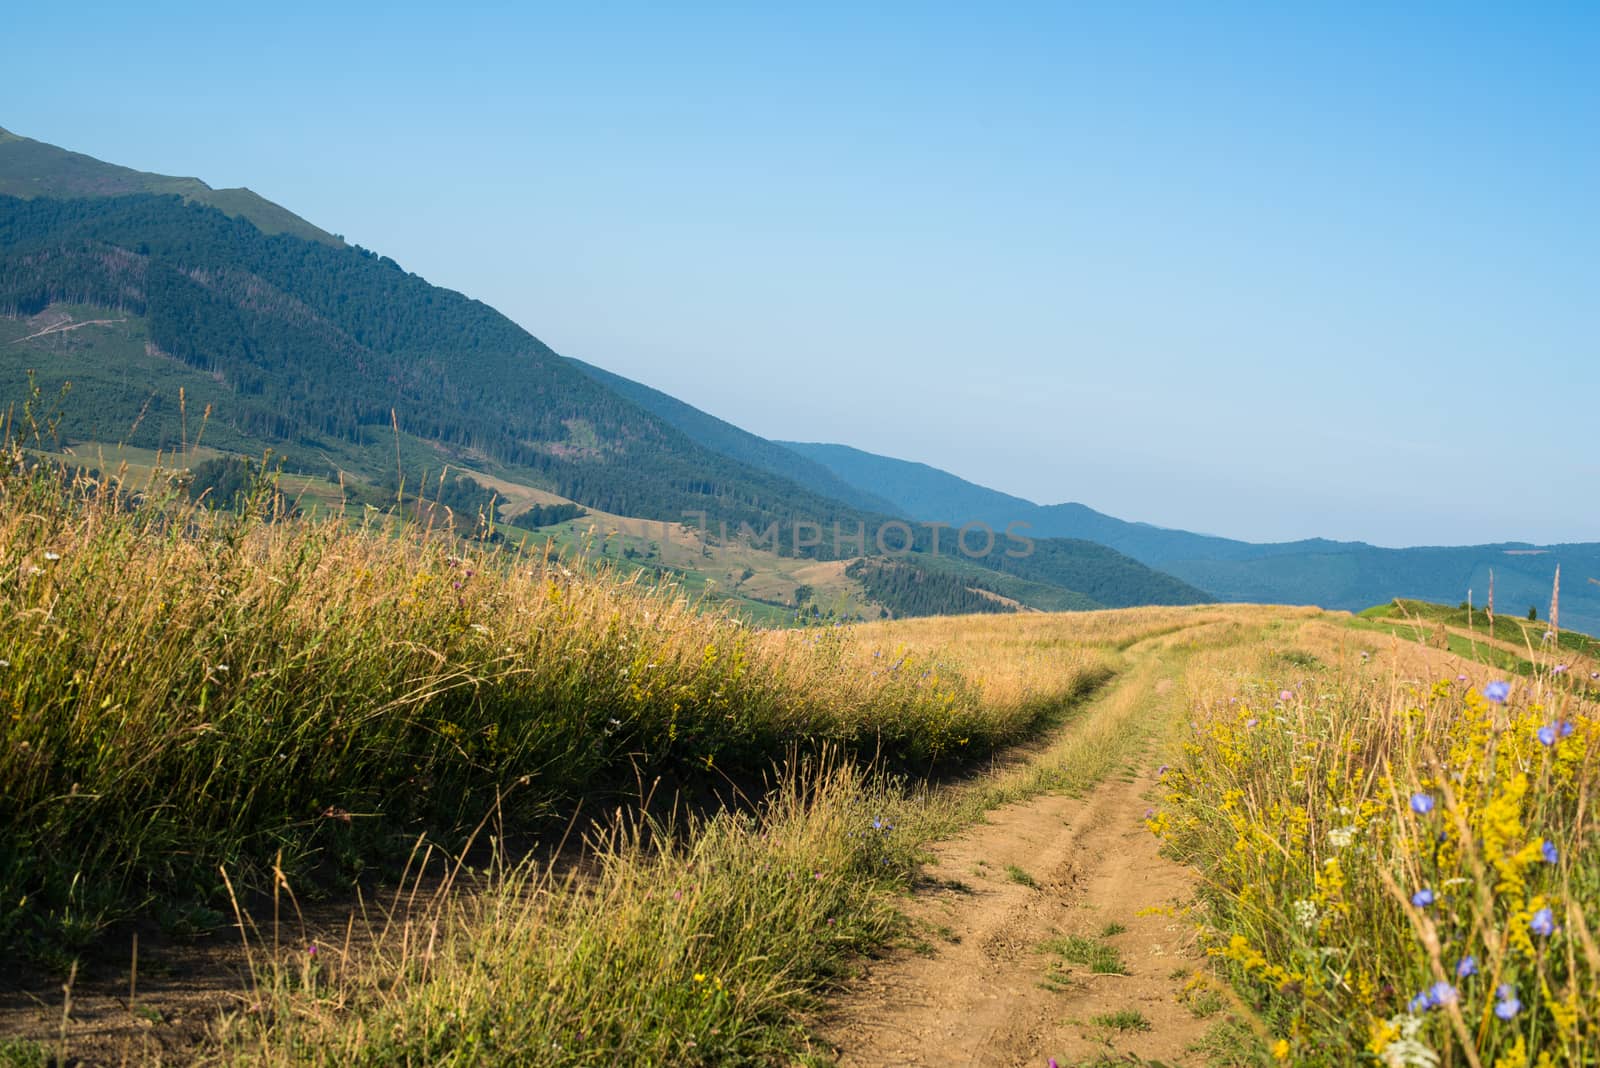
(30, 168)
(728, 440)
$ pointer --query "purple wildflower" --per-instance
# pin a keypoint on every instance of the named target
(1543, 923)
(1467, 966)
(1497, 692)
(1423, 898)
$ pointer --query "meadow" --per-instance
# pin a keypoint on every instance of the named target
(472, 803)
(661, 825)
(1397, 846)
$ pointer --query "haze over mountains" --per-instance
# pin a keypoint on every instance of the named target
(131, 285)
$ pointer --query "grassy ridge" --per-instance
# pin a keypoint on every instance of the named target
(185, 689)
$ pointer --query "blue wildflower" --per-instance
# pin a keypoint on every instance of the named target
(1551, 854)
(1421, 804)
(1506, 1005)
(1423, 898)
(1497, 692)
(1441, 993)
(1468, 966)
(1547, 735)
(1543, 923)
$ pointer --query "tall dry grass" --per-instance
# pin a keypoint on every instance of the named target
(187, 689)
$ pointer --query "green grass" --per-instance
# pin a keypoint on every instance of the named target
(1090, 953)
(1020, 877)
(1112, 929)
(1122, 1020)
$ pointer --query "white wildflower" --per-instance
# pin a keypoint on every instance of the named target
(52, 556)
(1408, 1051)
(1305, 913)
(1341, 837)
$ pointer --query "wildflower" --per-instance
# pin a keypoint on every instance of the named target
(1286, 695)
(1422, 804)
(1466, 967)
(1441, 993)
(1461, 678)
(311, 950)
(1564, 728)
(1559, 668)
(1551, 854)
(1305, 914)
(1547, 735)
(1406, 1050)
(1543, 923)
(1497, 692)
(1251, 722)
(1506, 1005)
(1340, 837)
(52, 557)
(1423, 898)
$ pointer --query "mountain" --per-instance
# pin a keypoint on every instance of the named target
(173, 318)
(728, 440)
(1333, 574)
(30, 168)
(928, 493)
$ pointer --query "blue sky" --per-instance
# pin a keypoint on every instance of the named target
(1268, 271)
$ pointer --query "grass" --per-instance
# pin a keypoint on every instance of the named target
(1112, 929)
(1320, 805)
(1122, 1020)
(701, 952)
(1090, 953)
(190, 690)
(1020, 877)
(210, 706)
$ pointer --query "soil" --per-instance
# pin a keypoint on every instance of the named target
(990, 991)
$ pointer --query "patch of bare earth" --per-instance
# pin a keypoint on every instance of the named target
(994, 988)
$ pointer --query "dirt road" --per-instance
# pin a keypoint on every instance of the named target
(1018, 913)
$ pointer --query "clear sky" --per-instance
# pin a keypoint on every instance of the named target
(1266, 270)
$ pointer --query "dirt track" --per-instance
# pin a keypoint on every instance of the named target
(990, 991)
